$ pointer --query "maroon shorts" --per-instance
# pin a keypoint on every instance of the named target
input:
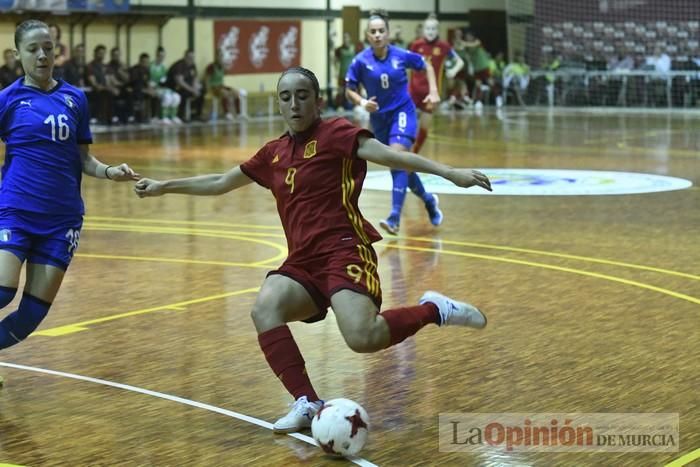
(353, 268)
(420, 105)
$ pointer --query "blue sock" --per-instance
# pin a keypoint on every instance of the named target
(398, 194)
(6, 295)
(416, 186)
(20, 323)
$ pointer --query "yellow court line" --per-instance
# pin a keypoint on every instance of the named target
(282, 250)
(172, 260)
(685, 460)
(166, 221)
(82, 326)
(182, 230)
(559, 255)
(556, 268)
(420, 239)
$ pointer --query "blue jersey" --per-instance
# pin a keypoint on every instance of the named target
(42, 131)
(386, 79)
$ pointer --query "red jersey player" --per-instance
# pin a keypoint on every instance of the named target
(437, 52)
(315, 171)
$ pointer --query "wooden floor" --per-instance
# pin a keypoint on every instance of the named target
(593, 305)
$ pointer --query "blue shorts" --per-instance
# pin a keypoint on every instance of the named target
(40, 238)
(398, 126)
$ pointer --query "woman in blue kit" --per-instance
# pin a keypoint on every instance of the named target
(44, 124)
(381, 70)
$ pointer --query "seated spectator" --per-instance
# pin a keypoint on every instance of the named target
(169, 100)
(182, 78)
(141, 89)
(11, 70)
(516, 77)
(479, 58)
(214, 81)
(74, 70)
(496, 66)
(101, 97)
(118, 77)
(660, 64)
(60, 51)
(459, 94)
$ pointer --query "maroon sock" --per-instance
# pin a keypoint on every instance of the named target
(420, 139)
(405, 322)
(283, 356)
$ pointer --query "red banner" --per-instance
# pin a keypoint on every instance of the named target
(258, 46)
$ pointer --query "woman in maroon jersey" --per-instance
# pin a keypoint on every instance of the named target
(315, 171)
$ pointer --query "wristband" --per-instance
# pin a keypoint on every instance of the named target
(107, 175)
(363, 102)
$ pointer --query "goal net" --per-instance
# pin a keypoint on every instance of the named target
(625, 53)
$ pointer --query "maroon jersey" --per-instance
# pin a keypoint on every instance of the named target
(436, 52)
(316, 178)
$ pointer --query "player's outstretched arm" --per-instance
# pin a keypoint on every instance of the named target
(433, 97)
(94, 168)
(372, 150)
(202, 185)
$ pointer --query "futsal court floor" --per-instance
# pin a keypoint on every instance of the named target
(149, 356)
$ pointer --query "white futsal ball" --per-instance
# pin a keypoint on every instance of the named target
(341, 427)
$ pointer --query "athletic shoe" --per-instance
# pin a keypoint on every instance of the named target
(390, 224)
(434, 211)
(454, 313)
(299, 416)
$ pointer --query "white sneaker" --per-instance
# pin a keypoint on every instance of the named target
(166, 121)
(454, 313)
(229, 117)
(299, 416)
(177, 120)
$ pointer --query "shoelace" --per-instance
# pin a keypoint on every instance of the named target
(300, 407)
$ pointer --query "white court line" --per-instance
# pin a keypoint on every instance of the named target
(200, 405)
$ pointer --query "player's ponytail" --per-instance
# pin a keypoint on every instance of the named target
(378, 13)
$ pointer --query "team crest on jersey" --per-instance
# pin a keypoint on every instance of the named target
(69, 101)
(276, 159)
(310, 149)
(395, 63)
(5, 235)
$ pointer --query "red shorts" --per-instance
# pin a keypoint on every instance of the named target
(353, 268)
(420, 105)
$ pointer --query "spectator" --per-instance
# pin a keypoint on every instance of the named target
(660, 64)
(60, 51)
(459, 95)
(182, 78)
(214, 81)
(169, 100)
(479, 58)
(11, 70)
(74, 70)
(342, 58)
(516, 77)
(141, 89)
(118, 79)
(102, 95)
